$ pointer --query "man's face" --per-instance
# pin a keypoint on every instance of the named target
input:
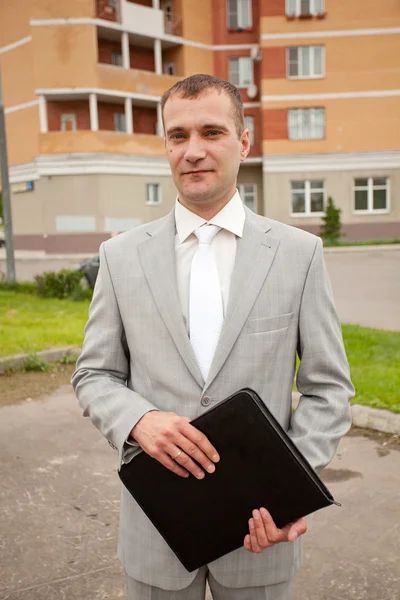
(203, 147)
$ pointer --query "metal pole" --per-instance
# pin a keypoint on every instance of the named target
(5, 186)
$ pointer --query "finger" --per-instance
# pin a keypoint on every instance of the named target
(192, 450)
(296, 529)
(247, 543)
(260, 530)
(167, 461)
(255, 546)
(274, 534)
(200, 440)
(182, 459)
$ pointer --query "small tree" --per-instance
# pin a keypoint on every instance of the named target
(331, 229)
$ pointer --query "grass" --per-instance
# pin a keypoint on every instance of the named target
(363, 243)
(30, 324)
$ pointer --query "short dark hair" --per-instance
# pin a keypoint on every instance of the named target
(195, 85)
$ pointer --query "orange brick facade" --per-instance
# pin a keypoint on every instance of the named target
(275, 124)
(80, 108)
(273, 8)
(273, 63)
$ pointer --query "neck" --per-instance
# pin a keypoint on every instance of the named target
(206, 211)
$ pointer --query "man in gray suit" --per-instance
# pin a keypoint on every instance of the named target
(187, 310)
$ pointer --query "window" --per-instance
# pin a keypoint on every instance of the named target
(169, 68)
(68, 122)
(239, 14)
(308, 198)
(371, 194)
(248, 194)
(249, 124)
(116, 58)
(241, 71)
(119, 122)
(305, 62)
(306, 123)
(304, 7)
(153, 194)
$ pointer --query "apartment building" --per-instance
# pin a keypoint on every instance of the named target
(82, 82)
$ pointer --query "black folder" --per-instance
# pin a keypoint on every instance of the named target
(201, 520)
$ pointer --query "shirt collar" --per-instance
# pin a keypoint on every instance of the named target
(231, 217)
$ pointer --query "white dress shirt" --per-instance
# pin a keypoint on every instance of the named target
(231, 220)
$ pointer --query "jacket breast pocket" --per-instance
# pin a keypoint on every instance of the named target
(268, 323)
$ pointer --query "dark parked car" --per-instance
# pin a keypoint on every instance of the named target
(90, 268)
(2, 239)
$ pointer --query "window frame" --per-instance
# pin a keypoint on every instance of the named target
(311, 137)
(115, 53)
(313, 11)
(149, 201)
(117, 114)
(229, 12)
(312, 62)
(307, 191)
(370, 197)
(240, 187)
(240, 59)
(64, 117)
(252, 133)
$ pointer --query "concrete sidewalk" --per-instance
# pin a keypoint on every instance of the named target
(59, 502)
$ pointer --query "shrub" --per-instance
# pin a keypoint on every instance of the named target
(331, 230)
(61, 284)
(34, 363)
(23, 287)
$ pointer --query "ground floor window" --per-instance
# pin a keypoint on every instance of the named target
(307, 197)
(371, 194)
(153, 195)
(248, 194)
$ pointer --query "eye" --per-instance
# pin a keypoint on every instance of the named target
(176, 136)
(213, 132)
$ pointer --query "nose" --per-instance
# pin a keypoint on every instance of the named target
(195, 149)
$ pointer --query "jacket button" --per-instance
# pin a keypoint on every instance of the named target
(205, 401)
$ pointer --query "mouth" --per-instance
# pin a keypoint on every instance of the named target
(199, 172)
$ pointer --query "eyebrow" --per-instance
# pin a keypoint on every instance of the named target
(205, 126)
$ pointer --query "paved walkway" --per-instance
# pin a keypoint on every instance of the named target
(59, 501)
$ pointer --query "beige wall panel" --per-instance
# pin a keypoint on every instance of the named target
(133, 80)
(339, 185)
(196, 20)
(61, 142)
(65, 56)
(101, 196)
(197, 60)
(254, 174)
(22, 128)
(350, 127)
(341, 14)
(17, 76)
(124, 196)
(363, 63)
(54, 9)
(14, 21)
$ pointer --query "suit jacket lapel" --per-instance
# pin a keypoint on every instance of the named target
(157, 256)
(254, 256)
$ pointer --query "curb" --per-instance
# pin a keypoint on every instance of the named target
(17, 361)
(372, 248)
(363, 416)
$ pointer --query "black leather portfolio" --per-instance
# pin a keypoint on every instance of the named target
(201, 520)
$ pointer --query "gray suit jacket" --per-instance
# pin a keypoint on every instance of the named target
(137, 356)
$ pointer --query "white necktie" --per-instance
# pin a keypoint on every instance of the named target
(205, 305)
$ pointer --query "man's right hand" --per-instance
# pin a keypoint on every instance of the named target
(175, 443)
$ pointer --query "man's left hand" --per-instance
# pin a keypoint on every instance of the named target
(264, 533)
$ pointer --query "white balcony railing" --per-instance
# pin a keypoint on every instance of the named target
(142, 20)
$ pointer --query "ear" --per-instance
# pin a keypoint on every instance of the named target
(244, 145)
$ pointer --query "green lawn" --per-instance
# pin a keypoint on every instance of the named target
(29, 324)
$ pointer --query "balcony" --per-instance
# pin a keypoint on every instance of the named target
(133, 80)
(105, 142)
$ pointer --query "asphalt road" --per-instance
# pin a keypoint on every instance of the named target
(59, 501)
(365, 282)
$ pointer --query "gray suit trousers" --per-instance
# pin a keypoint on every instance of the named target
(197, 590)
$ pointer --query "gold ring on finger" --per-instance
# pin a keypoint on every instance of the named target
(178, 455)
